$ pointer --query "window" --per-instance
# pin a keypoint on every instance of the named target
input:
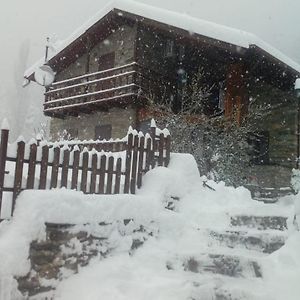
(259, 144)
(103, 132)
(170, 47)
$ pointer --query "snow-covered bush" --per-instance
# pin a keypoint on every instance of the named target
(219, 145)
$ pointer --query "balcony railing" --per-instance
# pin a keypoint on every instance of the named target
(84, 93)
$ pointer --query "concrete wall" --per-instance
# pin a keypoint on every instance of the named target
(119, 118)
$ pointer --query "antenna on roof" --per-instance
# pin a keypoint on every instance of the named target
(47, 49)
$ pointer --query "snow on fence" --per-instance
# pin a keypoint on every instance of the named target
(93, 167)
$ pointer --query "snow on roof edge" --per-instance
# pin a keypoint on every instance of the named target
(216, 31)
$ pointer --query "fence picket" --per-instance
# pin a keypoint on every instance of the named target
(18, 173)
(148, 154)
(128, 163)
(65, 168)
(3, 154)
(75, 168)
(94, 173)
(31, 167)
(140, 161)
(110, 175)
(118, 176)
(84, 172)
(55, 167)
(44, 168)
(161, 149)
(154, 146)
(168, 150)
(134, 165)
(102, 174)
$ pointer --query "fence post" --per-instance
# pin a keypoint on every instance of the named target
(3, 154)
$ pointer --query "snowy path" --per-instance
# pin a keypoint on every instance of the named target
(215, 245)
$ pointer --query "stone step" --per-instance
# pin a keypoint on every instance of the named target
(263, 242)
(216, 290)
(227, 265)
(260, 222)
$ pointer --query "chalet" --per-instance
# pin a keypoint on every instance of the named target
(129, 52)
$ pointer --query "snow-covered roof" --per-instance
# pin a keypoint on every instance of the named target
(212, 30)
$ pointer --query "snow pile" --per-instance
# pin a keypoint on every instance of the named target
(178, 234)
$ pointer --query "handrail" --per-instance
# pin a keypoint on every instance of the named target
(89, 82)
(87, 103)
(93, 74)
(90, 94)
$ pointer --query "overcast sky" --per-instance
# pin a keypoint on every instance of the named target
(30, 22)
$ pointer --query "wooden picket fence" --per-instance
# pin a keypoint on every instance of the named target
(93, 167)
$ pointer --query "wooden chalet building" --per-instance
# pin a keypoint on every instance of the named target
(130, 52)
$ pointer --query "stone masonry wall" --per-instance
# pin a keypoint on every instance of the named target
(68, 248)
(121, 42)
(119, 118)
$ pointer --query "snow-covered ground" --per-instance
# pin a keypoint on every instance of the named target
(178, 234)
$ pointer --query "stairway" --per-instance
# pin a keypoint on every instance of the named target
(232, 269)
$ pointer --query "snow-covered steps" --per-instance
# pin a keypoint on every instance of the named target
(266, 242)
(228, 265)
(259, 222)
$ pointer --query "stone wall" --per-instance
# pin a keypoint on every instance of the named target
(121, 42)
(70, 247)
(84, 124)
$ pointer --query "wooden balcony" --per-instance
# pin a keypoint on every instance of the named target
(117, 86)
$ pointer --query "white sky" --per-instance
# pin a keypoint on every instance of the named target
(31, 21)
